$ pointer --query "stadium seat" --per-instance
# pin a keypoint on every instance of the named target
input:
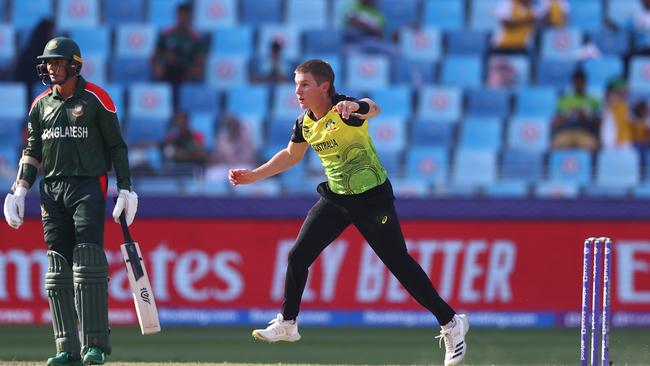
(488, 103)
(251, 99)
(423, 44)
(410, 188)
(556, 190)
(97, 41)
(210, 15)
(394, 101)
(285, 104)
(7, 44)
(526, 133)
(371, 71)
(198, 98)
(150, 101)
(480, 133)
(77, 14)
(526, 165)
(535, 102)
(128, 70)
(507, 189)
(561, 44)
(403, 13)
(157, 186)
(483, 15)
(334, 61)
(598, 191)
(434, 134)
(427, 164)
(519, 65)
(206, 125)
(278, 134)
(162, 13)
(236, 41)
(338, 12)
(439, 103)
(11, 133)
(641, 191)
(123, 11)
(413, 73)
(601, 71)
(586, 14)
(621, 11)
(94, 68)
(639, 73)
(256, 12)
(135, 40)
(614, 43)
(296, 11)
(466, 41)
(27, 14)
(444, 15)
(322, 41)
(462, 71)
(391, 160)
(473, 168)
(555, 73)
(388, 133)
(287, 35)
(226, 71)
(145, 131)
(570, 166)
(618, 168)
(116, 92)
(253, 126)
(13, 100)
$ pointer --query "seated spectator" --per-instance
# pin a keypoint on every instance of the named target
(273, 69)
(501, 72)
(517, 26)
(182, 145)
(553, 13)
(364, 29)
(616, 127)
(233, 147)
(640, 29)
(577, 120)
(641, 125)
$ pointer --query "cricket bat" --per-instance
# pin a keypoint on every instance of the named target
(145, 304)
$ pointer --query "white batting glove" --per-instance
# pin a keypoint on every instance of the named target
(128, 202)
(14, 208)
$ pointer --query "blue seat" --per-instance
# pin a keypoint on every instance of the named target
(287, 35)
(77, 13)
(11, 132)
(601, 71)
(27, 14)
(210, 15)
(339, 9)
(150, 101)
(557, 190)
(251, 100)
(392, 162)
(7, 43)
(410, 188)
(586, 14)
(474, 168)
(226, 72)
(435, 134)
(13, 100)
(535, 102)
(518, 65)
(621, 11)
(162, 13)
(371, 71)
(9, 157)
(639, 73)
(463, 71)
(399, 13)
(642, 191)
(480, 133)
(526, 165)
(555, 73)
(445, 15)
(135, 40)
(116, 92)
(598, 191)
(206, 125)
(199, 98)
(322, 41)
(94, 68)
(278, 134)
(488, 102)
(427, 164)
(466, 41)
(256, 12)
(127, 70)
(142, 130)
(527, 133)
(233, 41)
(394, 101)
(482, 14)
(615, 43)
(618, 168)
(507, 189)
(570, 166)
(561, 44)
(123, 11)
(423, 44)
(158, 186)
(285, 104)
(317, 10)
(410, 72)
(97, 41)
(388, 133)
(439, 103)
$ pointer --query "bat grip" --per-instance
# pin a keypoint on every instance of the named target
(125, 227)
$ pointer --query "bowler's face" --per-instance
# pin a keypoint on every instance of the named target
(309, 93)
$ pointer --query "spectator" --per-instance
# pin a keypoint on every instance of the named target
(182, 145)
(641, 125)
(517, 25)
(233, 146)
(501, 72)
(24, 71)
(577, 119)
(640, 29)
(616, 129)
(180, 52)
(553, 13)
(364, 29)
(274, 69)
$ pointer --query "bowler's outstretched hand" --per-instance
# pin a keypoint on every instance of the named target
(241, 176)
(346, 108)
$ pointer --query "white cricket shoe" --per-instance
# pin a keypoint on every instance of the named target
(278, 330)
(455, 346)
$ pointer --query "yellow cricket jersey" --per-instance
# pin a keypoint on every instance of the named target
(345, 149)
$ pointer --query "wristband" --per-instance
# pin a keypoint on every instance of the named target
(364, 107)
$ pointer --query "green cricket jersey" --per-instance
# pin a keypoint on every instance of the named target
(345, 149)
(79, 136)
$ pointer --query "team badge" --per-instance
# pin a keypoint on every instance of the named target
(78, 110)
(330, 125)
(52, 44)
(306, 132)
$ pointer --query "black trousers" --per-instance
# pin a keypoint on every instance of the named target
(373, 213)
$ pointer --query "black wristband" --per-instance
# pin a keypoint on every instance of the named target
(364, 107)
(28, 173)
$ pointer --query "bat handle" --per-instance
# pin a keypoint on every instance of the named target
(125, 227)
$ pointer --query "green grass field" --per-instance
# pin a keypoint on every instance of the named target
(368, 346)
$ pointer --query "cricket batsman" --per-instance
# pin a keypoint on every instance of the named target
(74, 134)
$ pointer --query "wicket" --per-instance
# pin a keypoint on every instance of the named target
(598, 324)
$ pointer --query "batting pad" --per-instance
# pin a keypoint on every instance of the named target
(91, 295)
(60, 294)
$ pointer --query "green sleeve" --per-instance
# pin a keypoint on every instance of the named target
(117, 148)
(33, 148)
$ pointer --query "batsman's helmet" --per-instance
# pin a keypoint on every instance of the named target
(60, 48)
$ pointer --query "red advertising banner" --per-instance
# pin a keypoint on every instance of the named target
(480, 266)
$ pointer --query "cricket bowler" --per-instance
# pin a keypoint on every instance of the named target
(74, 134)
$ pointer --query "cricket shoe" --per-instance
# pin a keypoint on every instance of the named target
(454, 337)
(64, 359)
(278, 330)
(94, 356)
